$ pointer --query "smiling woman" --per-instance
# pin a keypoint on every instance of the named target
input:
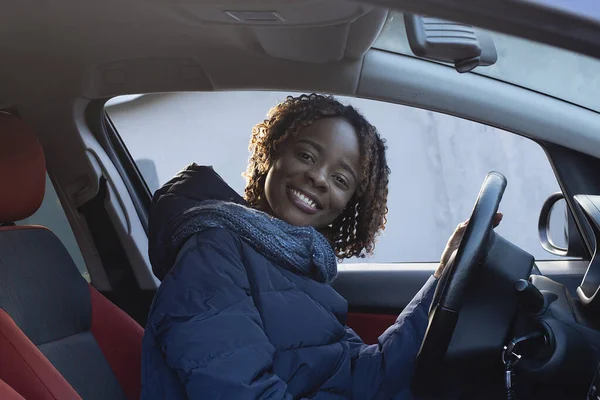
(313, 149)
(327, 152)
(317, 191)
(438, 162)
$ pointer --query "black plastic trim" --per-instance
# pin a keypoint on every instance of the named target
(577, 173)
(106, 133)
(112, 254)
(528, 19)
(395, 288)
(590, 284)
(391, 311)
(125, 291)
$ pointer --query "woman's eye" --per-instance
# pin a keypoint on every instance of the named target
(305, 156)
(340, 180)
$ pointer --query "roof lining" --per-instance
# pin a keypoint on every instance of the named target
(406, 80)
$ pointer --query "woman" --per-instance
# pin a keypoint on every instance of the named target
(245, 309)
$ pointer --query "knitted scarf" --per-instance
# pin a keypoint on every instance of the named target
(300, 249)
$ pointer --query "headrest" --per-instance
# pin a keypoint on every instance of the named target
(22, 170)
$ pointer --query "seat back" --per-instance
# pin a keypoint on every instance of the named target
(67, 338)
(8, 393)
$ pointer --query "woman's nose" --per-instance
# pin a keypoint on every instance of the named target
(318, 178)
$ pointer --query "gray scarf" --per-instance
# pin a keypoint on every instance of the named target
(296, 248)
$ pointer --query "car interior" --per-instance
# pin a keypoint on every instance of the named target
(502, 324)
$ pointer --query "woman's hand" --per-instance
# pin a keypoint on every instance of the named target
(454, 242)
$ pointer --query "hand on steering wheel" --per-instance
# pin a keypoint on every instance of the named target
(454, 242)
(470, 244)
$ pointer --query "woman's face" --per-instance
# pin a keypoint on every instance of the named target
(315, 174)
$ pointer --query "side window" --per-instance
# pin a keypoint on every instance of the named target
(51, 215)
(438, 162)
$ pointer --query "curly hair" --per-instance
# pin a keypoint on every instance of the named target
(354, 231)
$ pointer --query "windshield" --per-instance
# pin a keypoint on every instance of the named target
(556, 72)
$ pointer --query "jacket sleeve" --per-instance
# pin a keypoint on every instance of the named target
(207, 327)
(385, 369)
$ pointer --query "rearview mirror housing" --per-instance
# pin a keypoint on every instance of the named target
(451, 42)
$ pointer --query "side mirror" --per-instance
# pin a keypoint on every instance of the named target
(556, 228)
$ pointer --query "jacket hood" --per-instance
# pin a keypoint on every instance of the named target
(189, 188)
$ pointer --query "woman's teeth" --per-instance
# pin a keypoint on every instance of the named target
(305, 199)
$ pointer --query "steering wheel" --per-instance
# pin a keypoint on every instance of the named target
(452, 287)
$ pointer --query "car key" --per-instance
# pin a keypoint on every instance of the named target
(509, 382)
(510, 358)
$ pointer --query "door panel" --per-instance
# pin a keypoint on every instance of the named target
(369, 326)
(377, 293)
(381, 287)
(568, 272)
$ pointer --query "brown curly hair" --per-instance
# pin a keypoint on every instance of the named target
(353, 232)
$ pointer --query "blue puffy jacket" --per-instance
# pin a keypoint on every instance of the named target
(226, 323)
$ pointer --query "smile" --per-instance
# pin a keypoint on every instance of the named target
(303, 202)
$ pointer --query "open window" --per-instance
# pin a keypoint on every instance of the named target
(437, 163)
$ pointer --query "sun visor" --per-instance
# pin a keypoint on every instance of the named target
(320, 44)
(289, 13)
(315, 44)
(314, 31)
(458, 44)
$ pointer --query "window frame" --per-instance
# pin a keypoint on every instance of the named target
(142, 196)
(107, 135)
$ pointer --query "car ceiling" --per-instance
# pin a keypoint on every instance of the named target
(105, 48)
(67, 50)
(100, 49)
